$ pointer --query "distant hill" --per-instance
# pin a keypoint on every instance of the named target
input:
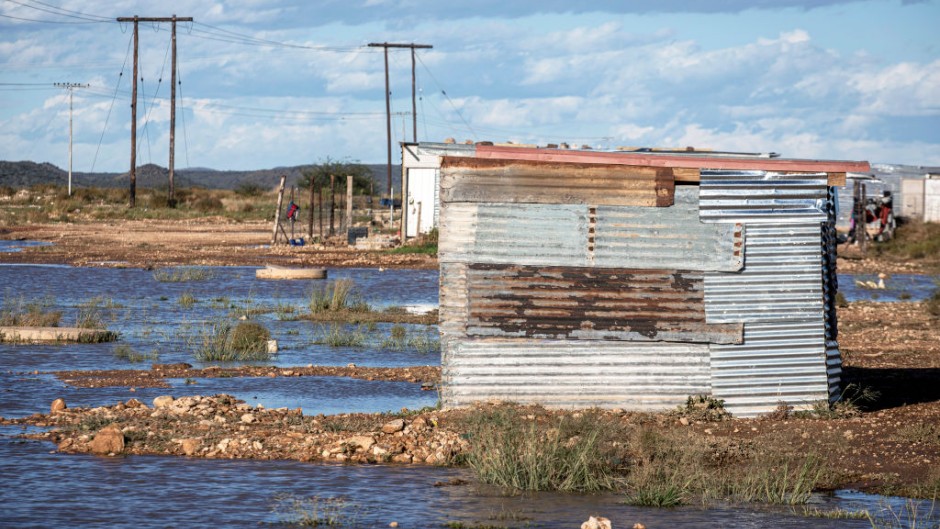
(25, 174)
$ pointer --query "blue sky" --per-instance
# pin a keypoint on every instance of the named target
(268, 83)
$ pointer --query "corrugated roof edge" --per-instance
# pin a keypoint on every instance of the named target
(836, 169)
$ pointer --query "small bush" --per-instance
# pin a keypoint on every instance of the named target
(703, 408)
(246, 342)
(250, 337)
(933, 303)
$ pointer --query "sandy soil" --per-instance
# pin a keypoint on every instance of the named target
(214, 241)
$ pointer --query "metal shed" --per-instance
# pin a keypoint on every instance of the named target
(580, 279)
(421, 174)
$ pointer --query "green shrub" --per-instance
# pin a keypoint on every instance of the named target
(220, 342)
(335, 296)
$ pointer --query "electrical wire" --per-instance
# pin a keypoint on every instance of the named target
(111, 107)
(179, 82)
(47, 21)
(153, 100)
(57, 11)
(474, 134)
(90, 16)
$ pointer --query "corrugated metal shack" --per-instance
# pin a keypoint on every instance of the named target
(581, 279)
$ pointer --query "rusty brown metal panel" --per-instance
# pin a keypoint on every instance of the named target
(689, 161)
(590, 304)
(533, 182)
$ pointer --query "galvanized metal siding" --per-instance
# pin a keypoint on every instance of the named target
(781, 280)
(590, 304)
(569, 374)
(502, 181)
(756, 197)
(778, 362)
(523, 234)
(666, 238)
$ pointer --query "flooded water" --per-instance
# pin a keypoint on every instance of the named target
(897, 287)
(17, 246)
(42, 488)
(58, 490)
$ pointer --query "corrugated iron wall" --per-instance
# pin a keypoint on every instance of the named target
(629, 301)
(575, 374)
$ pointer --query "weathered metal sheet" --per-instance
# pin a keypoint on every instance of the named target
(690, 160)
(514, 233)
(778, 362)
(781, 279)
(453, 301)
(515, 181)
(590, 304)
(755, 197)
(834, 370)
(574, 374)
(665, 238)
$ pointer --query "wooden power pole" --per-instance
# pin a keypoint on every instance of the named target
(70, 87)
(133, 174)
(388, 108)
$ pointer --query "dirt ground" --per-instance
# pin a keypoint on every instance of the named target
(887, 438)
(214, 241)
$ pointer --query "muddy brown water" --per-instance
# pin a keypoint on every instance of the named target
(42, 488)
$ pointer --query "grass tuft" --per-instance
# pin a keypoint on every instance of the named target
(246, 342)
(315, 511)
(338, 335)
(18, 311)
(183, 274)
(510, 450)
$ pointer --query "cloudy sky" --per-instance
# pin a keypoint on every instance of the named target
(265, 83)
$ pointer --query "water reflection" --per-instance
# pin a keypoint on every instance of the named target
(60, 490)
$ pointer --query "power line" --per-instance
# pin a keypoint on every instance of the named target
(472, 132)
(60, 12)
(110, 108)
(48, 21)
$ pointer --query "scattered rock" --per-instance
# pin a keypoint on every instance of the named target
(394, 426)
(598, 522)
(638, 525)
(189, 446)
(57, 405)
(272, 346)
(362, 441)
(393, 524)
(162, 401)
(248, 418)
(108, 440)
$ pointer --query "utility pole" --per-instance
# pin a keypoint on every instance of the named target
(171, 196)
(133, 174)
(69, 87)
(388, 108)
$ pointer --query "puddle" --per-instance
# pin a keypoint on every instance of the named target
(23, 395)
(17, 246)
(898, 287)
(154, 323)
(60, 490)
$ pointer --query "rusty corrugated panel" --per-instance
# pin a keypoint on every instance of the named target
(778, 362)
(516, 181)
(590, 304)
(574, 374)
(665, 238)
(781, 279)
(755, 197)
(514, 233)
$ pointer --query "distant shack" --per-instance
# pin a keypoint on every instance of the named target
(632, 280)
